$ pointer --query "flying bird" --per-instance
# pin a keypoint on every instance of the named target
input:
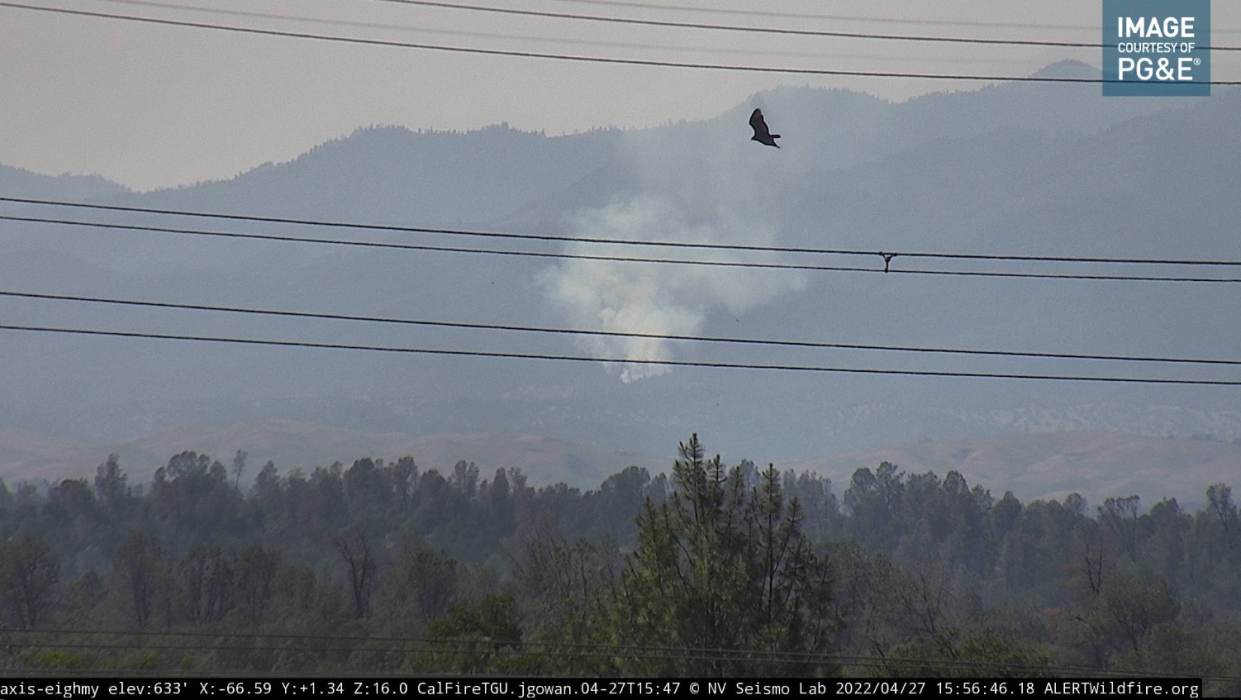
(761, 133)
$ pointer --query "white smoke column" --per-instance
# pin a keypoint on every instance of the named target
(702, 190)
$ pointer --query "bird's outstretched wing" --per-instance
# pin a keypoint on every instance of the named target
(761, 133)
(759, 124)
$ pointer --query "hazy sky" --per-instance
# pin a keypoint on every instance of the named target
(155, 106)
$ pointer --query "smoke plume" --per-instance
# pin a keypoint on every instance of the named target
(711, 186)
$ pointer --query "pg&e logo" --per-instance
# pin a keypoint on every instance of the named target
(1156, 48)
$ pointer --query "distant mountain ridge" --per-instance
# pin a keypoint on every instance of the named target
(1018, 168)
(390, 175)
(17, 182)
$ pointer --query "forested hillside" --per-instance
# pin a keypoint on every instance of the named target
(382, 566)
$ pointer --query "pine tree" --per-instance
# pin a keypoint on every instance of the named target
(727, 573)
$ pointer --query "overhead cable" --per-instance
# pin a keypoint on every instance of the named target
(433, 323)
(762, 30)
(455, 352)
(618, 258)
(593, 59)
(633, 242)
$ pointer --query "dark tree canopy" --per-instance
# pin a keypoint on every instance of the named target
(490, 574)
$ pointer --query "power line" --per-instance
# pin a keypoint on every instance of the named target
(830, 18)
(839, 18)
(612, 258)
(692, 245)
(762, 30)
(433, 248)
(614, 360)
(608, 334)
(589, 59)
(556, 40)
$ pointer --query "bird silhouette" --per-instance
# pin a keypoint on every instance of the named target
(761, 133)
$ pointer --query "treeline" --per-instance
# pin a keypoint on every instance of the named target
(710, 569)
